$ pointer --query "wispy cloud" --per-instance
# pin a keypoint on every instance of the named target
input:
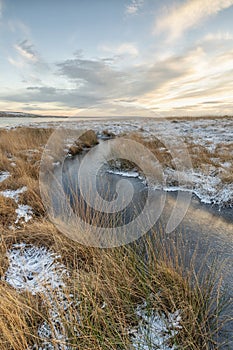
(122, 49)
(13, 62)
(28, 59)
(198, 80)
(182, 17)
(92, 77)
(133, 7)
(27, 50)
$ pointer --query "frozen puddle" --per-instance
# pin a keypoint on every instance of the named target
(37, 270)
(155, 330)
(23, 212)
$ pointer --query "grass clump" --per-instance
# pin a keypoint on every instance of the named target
(105, 286)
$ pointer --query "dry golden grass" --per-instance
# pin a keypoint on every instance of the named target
(23, 139)
(7, 211)
(120, 278)
(160, 151)
(86, 140)
(4, 162)
(17, 318)
(24, 147)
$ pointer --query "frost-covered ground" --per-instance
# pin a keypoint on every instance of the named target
(206, 186)
(206, 177)
(4, 175)
(24, 212)
(38, 270)
(155, 330)
(215, 135)
(124, 173)
(33, 269)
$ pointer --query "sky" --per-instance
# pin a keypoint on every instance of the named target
(147, 58)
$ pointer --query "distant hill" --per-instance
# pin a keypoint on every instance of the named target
(17, 114)
(4, 114)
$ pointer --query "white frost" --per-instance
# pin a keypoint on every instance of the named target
(23, 212)
(155, 330)
(13, 194)
(33, 269)
(211, 133)
(207, 187)
(4, 175)
(37, 270)
(124, 173)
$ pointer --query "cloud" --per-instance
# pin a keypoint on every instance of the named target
(193, 81)
(122, 49)
(101, 81)
(98, 81)
(27, 51)
(28, 58)
(182, 17)
(13, 62)
(93, 77)
(206, 78)
(68, 98)
(133, 7)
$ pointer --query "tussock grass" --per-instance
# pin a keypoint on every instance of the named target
(106, 284)
(7, 211)
(23, 139)
(86, 140)
(155, 146)
(200, 155)
(160, 151)
(4, 162)
(19, 318)
(24, 147)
